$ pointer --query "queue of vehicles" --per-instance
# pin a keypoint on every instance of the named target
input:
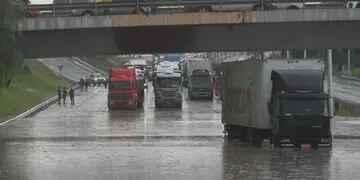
(278, 101)
(244, 6)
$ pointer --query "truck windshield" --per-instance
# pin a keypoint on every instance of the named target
(169, 82)
(120, 85)
(304, 107)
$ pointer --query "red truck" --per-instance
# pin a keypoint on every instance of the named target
(125, 90)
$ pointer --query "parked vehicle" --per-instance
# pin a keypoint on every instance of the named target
(99, 79)
(168, 89)
(198, 78)
(125, 90)
(257, 5)
(352, 4)
(277, 101)
(97, 11)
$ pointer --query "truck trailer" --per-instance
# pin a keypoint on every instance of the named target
(198, 78)
(277, 101)
(125, 89)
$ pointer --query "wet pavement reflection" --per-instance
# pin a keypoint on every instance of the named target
(85, 141)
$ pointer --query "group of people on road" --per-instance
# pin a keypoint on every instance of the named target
(62, 94)
(84, 83)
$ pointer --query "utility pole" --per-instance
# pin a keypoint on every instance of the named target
(348, 62)
(330, 85)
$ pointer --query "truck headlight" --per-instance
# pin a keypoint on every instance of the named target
(285, 140)
(324, 140)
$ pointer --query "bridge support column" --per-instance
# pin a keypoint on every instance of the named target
(348, 62)
(305, 54)
(330, 84)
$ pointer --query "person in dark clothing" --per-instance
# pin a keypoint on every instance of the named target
(82, 83)
(105, 83)
(59, 94)
(64, 95)
(71, 94)
(87, 83)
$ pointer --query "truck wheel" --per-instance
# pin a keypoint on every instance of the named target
(275, 141)
(140, 104)
(211, 97)
(189, 95)
(293, 7)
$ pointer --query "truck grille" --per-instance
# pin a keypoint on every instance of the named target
(168, 94)
(201, 89)
(120, 96)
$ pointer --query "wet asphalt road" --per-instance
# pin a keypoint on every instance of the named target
(85, 141)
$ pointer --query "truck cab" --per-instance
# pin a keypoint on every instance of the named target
(168, 89)
(123, 89)
(299, 108)
(200, 84)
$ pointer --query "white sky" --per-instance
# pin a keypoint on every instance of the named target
(41, 1)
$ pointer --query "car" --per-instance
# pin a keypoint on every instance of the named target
(99, 79)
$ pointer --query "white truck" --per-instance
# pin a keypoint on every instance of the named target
(168, 89)
(281, 102)
(198, 78)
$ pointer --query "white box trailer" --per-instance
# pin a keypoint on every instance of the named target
(248, 90)
(197, 63)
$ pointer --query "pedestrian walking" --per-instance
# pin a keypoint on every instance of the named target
(64, 95)
(105, 83)
(86, 84)
(82, 83)
(71, 94)
(59, 94)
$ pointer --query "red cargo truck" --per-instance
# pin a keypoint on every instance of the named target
(124, 90)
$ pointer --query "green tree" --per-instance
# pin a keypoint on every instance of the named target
(11, 12)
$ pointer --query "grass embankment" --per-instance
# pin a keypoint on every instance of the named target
(347, 112)
(103, 62)
(29, 89)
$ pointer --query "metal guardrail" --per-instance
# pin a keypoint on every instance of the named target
(138, 4)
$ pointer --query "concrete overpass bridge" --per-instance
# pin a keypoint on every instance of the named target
(190, 32)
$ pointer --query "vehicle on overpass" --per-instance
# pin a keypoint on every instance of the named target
(97, 11)
(125, 91)
(257, 5)
(168, 89)
(277, 101)
(198, 78)
(352, 4)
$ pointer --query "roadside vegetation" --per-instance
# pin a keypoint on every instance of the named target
(105, 62)
(343, 111)
(30, 85)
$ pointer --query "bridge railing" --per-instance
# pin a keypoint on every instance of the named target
(136, 6)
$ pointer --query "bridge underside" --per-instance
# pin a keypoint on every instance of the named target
(190, 38)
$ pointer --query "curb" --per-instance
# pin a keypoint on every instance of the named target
(350, 78)
(43, 105)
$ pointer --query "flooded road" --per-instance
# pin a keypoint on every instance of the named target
(85, 141)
